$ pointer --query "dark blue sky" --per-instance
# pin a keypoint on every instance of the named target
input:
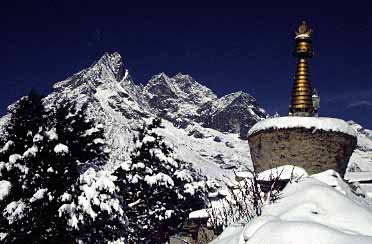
(227, 49)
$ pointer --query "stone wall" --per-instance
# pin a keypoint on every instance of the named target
(315, 151)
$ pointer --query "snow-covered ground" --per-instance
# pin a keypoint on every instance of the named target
(285, 172)
(318, 209)
(215, 157)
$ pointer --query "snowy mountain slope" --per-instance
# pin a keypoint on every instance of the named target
(360, 164)
(317, 209)
(362, 155)
(114, 101)
(236, 112)
(215, 153)
(108, 80)
(121, 107)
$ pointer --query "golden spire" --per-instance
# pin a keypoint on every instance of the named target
(301, 102)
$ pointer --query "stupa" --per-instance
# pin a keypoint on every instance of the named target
(302, 138)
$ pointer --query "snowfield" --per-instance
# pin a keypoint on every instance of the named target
(214, 158)
(318, 209)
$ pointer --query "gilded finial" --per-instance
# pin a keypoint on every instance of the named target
(302, 101)
(303, 31)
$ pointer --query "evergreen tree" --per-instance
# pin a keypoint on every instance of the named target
(84, 139)
(42, 162)
(93, 210)
(27, 116)
(92, 219)
(27, 119)
(160, 191)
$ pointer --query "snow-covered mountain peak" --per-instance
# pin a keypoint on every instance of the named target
(177, 98)
(180, 86)
(180, 75)
(109, 68)
(113, 64)
(241, 100)
(159, 84)
(189, 85)
(235, 97)
(191, 109)
(161, 77)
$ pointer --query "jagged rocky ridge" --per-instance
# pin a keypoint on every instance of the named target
(204, 129)
(179, 99)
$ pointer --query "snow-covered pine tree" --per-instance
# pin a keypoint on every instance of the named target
(160, 190)
(45, 191)
(27, 119)
(27, 116)
(85, 140)
(92, 210)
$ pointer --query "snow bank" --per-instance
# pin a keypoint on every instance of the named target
(199, 214)
(315, 123)
(284, 172)
(243, 174)
(304, 233)
(358, 176)
(317, 209)
(147, 139)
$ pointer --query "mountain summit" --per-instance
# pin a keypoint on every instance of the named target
(179, 99)
(204, 129)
